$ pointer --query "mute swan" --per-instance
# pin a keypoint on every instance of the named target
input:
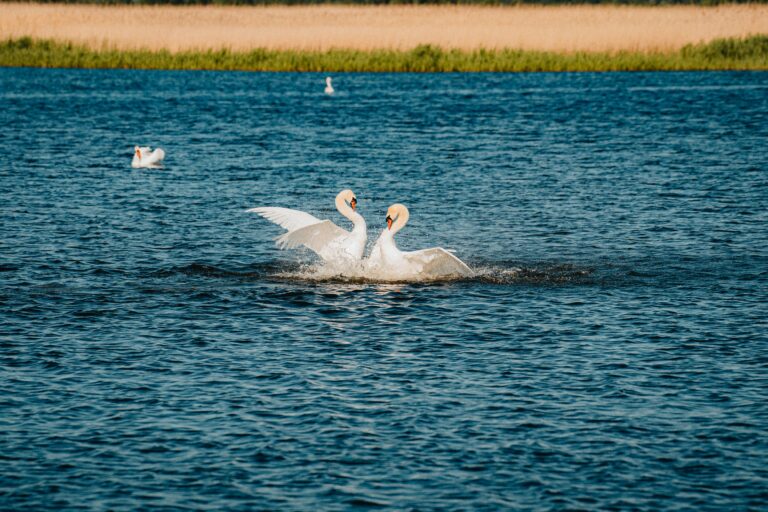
(328, 86)
(332, 243)
(388, 262)
(145, 157)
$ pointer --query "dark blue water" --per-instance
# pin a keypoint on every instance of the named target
(158, 352)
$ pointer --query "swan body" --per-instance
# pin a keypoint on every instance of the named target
(333, 244)
(328, 87)
(145, 157)
(387, 262)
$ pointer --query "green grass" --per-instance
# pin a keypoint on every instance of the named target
(722, 54)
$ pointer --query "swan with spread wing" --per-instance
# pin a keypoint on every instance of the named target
(387, 262)
(332, 243)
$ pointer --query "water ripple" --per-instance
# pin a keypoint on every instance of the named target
(158, 352)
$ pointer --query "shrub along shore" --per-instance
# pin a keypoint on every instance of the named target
(723, 54)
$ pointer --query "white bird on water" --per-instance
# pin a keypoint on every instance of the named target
(387, 262)
(333, 244)
(145, 157)
(328, 87)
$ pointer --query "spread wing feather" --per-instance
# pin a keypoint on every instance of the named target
(285, 217)
(437, 261)
(319, 237)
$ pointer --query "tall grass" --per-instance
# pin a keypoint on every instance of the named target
(748, 54)
(357, 27)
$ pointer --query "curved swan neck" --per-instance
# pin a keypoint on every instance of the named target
(359, 223)
(401, 220)
(348, 212)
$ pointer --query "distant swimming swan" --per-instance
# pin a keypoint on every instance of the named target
(387, 262)
(332, 243)
(328, 87)
(145, 157)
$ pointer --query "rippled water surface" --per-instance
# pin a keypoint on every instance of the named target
(158, 352)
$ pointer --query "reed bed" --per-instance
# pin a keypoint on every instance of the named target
(722, 54)
(562, 28)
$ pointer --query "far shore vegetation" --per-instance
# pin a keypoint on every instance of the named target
(723, 54)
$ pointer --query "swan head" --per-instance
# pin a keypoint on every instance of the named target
(328, 81)
(347, 196)
(397, 214)
(137, 151)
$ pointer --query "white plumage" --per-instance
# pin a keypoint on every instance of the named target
(285, 217)
(342, 250)
(145, 157)
(333, 244)
(387, 262)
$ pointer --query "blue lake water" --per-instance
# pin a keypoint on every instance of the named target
(158, 352)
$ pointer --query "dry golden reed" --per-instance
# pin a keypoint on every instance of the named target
(323, 27)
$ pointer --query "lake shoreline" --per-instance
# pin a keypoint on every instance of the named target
(723, 54)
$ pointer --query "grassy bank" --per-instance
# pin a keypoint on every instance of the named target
(723, 54)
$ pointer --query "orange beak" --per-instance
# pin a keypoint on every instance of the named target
(389, 222)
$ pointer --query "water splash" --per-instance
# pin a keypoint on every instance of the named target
(493, 273)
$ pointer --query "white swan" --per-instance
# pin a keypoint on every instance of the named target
(332, 243)
(328, 87)
(145, 157)
(387, 262)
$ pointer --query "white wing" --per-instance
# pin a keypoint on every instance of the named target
(322, 236)
(154, 157)
(325, 238)
(285, 217)
(438, 262)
